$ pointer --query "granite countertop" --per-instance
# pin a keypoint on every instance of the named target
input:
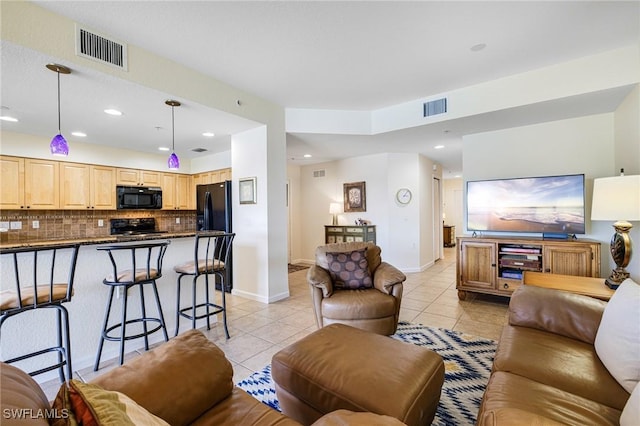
(94, 240)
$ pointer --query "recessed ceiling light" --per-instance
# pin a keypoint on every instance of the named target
(163, 148)
(7, 118)
(478, 47)
(307, 156)
(79, 134)
(208, 134)
(113, 112)
(438, 147)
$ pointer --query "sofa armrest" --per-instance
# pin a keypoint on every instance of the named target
(559, 312)
(320, 278)
(386, 276)
(177, 381)
(22, 394)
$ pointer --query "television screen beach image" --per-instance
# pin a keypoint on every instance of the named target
(549, 204)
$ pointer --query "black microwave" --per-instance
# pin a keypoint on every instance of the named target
(139, 197)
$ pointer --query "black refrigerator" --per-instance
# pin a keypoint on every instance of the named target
(213, 205)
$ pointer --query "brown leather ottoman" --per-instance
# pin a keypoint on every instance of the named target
(341, 367)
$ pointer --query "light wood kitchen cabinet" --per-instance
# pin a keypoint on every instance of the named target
(85, 186)
(11, 183)
(41, 184)
(496, 265)
(176, 191)
(133, 177)
(213, 176)
(29, 183)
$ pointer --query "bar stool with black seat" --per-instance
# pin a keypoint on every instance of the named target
(143, 266)
(42, 278)
(211, 257)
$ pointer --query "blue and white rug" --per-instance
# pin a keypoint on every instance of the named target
(467, 359)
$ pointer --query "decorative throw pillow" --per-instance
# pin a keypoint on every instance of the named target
(631, 413)
(618, 338)
(95, 406)
(349, 270)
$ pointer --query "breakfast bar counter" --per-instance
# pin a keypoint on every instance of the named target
(87, 306)
(109, 239)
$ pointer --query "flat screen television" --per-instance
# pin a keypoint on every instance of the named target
(546, 204)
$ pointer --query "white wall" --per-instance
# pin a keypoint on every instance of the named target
(260, 269)
(23, 145)
(405, 233)
(627, 135)
(453, 204)
(580, 145)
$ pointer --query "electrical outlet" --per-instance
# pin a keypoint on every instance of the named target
(35, 224)
(15, 225)
(100, 222)
(178, 220)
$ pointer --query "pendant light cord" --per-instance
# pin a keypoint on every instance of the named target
(173, 131)
(59, 127)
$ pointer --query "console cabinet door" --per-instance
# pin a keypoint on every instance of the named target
(477, 264)
(570, 260)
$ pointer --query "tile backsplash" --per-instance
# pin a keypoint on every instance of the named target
(69, 224)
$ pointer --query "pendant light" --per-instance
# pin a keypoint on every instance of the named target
(59, 144)
(174, 161)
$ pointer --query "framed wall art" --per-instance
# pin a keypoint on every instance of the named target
(247, 190)
(355, 197)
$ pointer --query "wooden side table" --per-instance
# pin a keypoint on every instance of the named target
(588, 286)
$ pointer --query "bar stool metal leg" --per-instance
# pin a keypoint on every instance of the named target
(193, 302)
(104, 328)
(144, 316)
(178, 304)
(123, 323)
(160, 314)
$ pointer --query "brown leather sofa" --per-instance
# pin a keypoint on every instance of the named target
(375, 309)
(185, 381)
(546, 370)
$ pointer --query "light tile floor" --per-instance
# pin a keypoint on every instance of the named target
(260, 330)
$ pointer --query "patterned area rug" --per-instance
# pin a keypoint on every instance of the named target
(467, 359)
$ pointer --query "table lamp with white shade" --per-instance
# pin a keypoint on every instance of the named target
(617, 198)
(335, 209)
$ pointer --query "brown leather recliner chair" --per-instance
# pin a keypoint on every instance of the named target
(375, 309)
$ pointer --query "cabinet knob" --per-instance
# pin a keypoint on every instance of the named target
(505, 286)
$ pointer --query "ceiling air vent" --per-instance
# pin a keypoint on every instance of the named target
(439, 106)
(100, 48)
(199, 149)
(318, 173)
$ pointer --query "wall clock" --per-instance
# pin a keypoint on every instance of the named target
(403, 196)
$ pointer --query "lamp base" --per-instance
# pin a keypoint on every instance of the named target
(616, 278)
(335, 219)
(621, 249)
